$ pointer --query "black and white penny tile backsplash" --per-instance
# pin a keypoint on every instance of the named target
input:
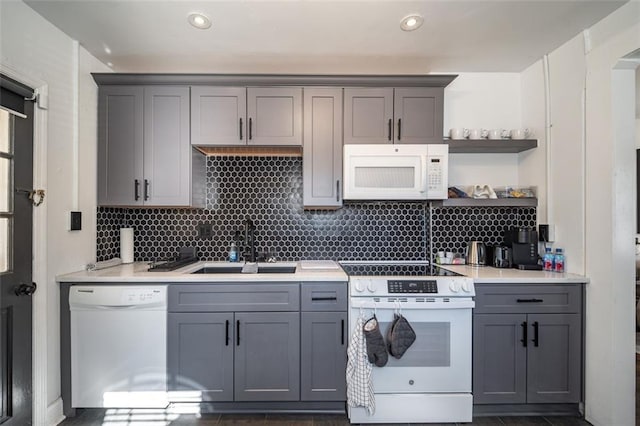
(269, 191)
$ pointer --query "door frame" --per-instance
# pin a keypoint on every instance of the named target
(39, 260)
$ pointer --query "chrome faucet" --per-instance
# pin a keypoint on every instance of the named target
(249, 241)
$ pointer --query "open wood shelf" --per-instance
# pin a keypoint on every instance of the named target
(490, 146)
(488, 202)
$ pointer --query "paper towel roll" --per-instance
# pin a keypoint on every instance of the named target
(126, 245)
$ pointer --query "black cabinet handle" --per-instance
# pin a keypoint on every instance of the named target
(390, 127)
(25, 289)
(240, 128)
(342, 337)
(250, 128)
(324, 298)
(529, 300)
(146, 189)
(238, 333)
(535, 334)
(337, 190)
(226, 333)
(399, 128)
(136, 189)
(524, 334)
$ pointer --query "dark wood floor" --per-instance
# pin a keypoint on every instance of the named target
(98, 417)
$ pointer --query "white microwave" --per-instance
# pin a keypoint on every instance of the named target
(396, 172)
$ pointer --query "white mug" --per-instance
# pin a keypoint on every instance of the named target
(458, 133)
(519, 133)
(478, 133)
(496, 133)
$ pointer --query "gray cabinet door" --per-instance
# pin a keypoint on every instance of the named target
(324, 356)
(267, 361)
(200, 355)
(120, 145)
(322, 161)
(167, 151)
(368, 115)
(499, 359)
(554, 362)
(218, 115)
(275, 115)
(418, 115)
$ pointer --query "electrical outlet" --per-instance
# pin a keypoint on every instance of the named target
(205, 231)
(546, 233)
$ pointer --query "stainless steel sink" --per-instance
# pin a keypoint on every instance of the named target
(262, 269)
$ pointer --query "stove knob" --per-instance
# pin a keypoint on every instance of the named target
(466, 286)
(371, 287)
(454, 286)
(359, 286)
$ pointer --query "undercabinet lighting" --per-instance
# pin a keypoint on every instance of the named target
(411, 22)
(199, 21)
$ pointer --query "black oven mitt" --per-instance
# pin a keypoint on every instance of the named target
(400, 336)
(376, 349)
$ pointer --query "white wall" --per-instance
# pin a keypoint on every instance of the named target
(603, 214)
(33, 47)
(484, 101)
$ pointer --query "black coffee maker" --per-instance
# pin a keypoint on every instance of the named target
(524, 247)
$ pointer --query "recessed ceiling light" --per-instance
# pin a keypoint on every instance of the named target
(109, 64)
(411, 22)
(199, 20)
(107, 50)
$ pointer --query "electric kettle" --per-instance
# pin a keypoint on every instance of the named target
(476, 253)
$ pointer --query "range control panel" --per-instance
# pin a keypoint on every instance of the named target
(412, 286)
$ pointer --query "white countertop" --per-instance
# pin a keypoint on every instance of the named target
(138, 272)
(489, 274)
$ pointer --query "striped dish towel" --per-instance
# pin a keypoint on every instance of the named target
(359, 384)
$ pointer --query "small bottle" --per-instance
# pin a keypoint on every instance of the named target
(547, 260)
(558, 260)
(233, 253)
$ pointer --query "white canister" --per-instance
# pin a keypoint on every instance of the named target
(126, 245)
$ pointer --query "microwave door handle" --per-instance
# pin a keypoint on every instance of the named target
(424, 185)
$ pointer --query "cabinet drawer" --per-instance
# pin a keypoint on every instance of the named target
(324, 296)
(234, 297)
(528, 298)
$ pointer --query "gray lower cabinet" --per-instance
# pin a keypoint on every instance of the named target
(527, 344)
(200, 355)
(228, 354)
(267, 358)
(322, 161)
(411, 115)
(144, 154)
(324, 341)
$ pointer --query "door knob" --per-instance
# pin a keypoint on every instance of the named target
(25, 289)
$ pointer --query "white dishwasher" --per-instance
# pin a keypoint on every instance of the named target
(118, 346)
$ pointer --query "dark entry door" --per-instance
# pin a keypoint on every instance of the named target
(16, 287)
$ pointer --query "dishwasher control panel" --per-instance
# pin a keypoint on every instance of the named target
(105, 296)
(141, 295)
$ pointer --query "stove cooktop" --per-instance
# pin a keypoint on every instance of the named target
(395, 269)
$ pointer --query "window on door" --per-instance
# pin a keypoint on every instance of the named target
(6, 193)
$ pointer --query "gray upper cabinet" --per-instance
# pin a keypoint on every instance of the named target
(527, 344)
(322, 160)
(274, 115)
(144, 154)
(410, 115)
(120, 145)
(218, 115)
(368, 115)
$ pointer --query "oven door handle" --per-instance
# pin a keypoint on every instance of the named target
(370, 304)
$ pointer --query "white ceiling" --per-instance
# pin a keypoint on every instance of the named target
(318, 36)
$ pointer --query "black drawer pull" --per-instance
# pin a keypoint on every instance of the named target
(313, 299)
(535, 334)
(240, 128)
(226, 333)
(250, 128)
(524, 334)
(238, 333)
(342, 338)
(399, 128)
(136, 189)
(390, 127)
(530, 300)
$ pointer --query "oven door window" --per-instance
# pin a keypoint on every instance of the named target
(438, 361)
